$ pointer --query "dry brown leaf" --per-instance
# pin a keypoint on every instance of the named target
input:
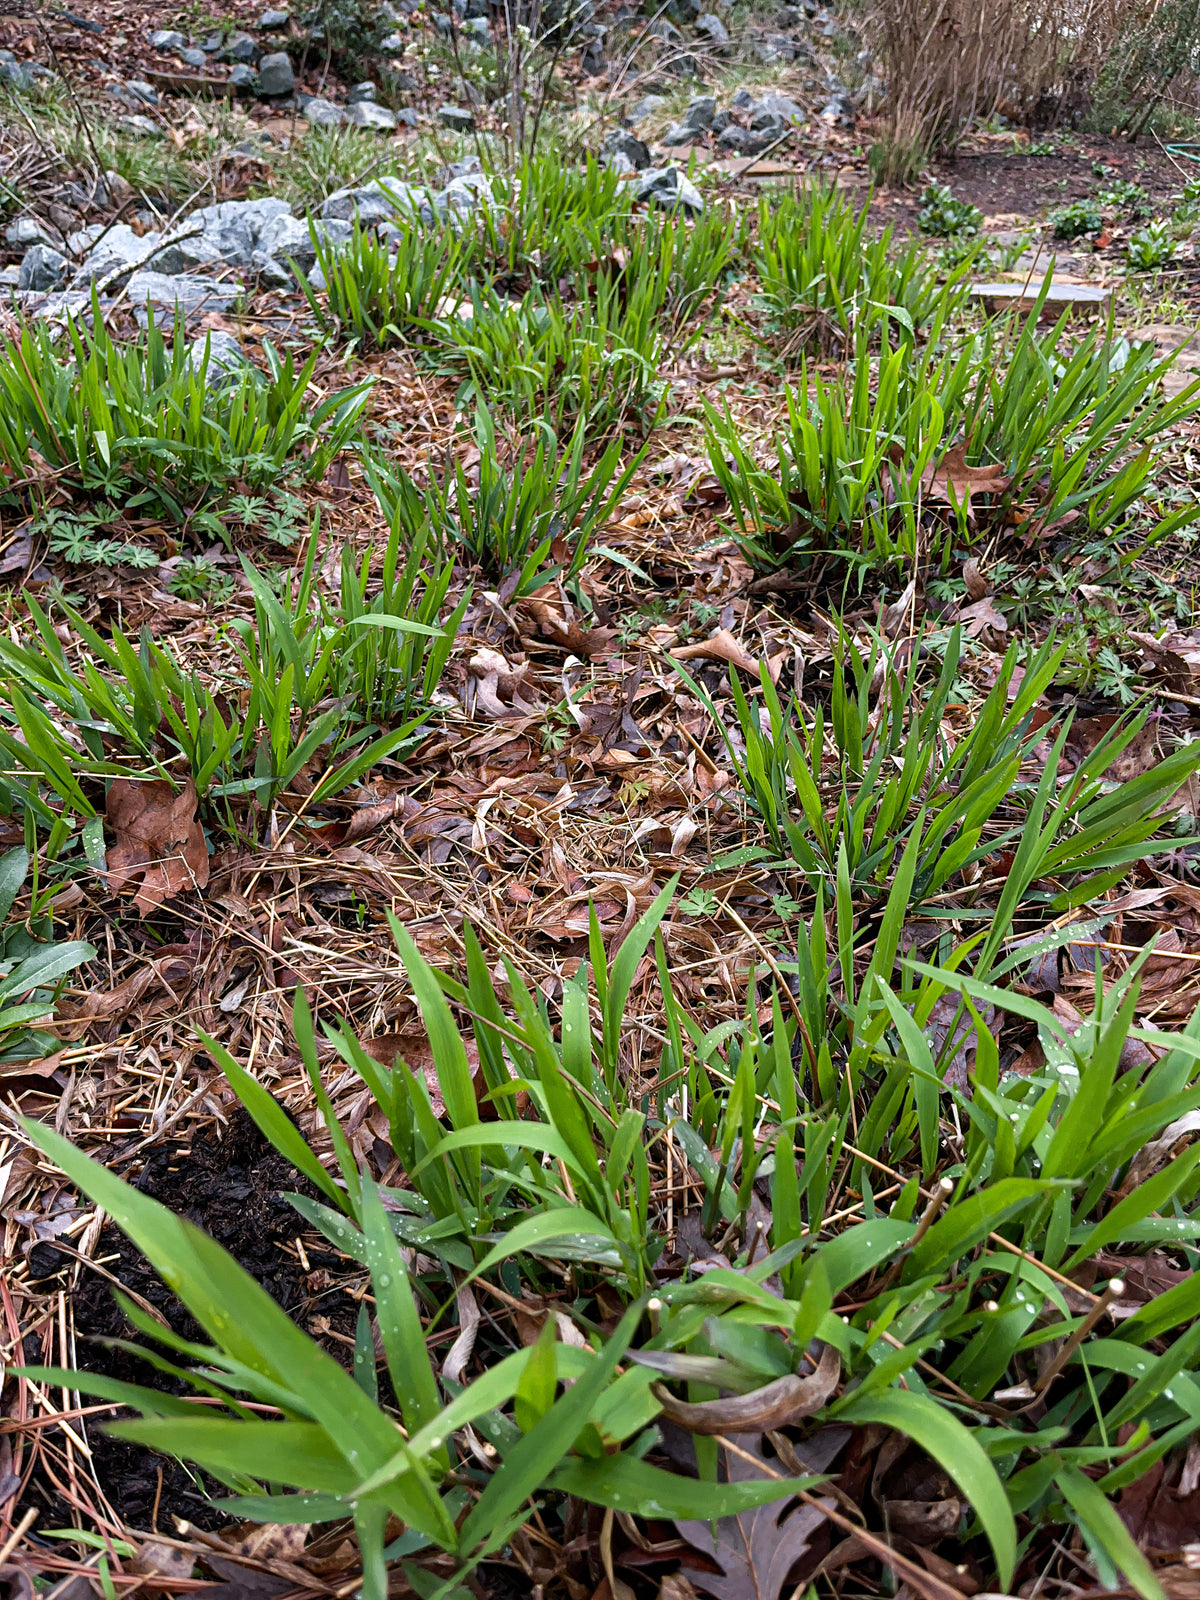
(953, 478)
(721, 647)
(495, 688)
(553, 618)
(982, 618)
(160, 849)
(977, 584)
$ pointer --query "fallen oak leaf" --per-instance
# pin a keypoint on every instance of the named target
(757, 1549)
(160, 849)
(952, 479)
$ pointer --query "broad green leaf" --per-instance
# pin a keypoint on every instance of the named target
(966, 1222)
(543, 1228)
(299, 1453)
(534, 1457)
(627, 1484)
(941, 1435)
(1099, 1517)
(273, 1121)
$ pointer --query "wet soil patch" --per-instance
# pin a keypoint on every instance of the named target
(231, 1183)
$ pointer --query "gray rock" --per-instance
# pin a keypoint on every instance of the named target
(275, 75)
(212, 44)
(244, 79)
(781, 47)
(240, 48)
(401, 81)
(274, 19)
(323, 113)
(667, 187)
(186, 293)
(141, 126)
(394, 45)
(619, 141)
(287, 239)
(784, 108)
(167, 39)
(42, 268)
(740, 142)
(660, 28)
(10, 277)
(477, 8)
(232, 231)
(737, 141)
(694, 123)
(714, 30)
(720, 122)
(365, 90)
(226, 360)
(591, 61)
(366, 114)
(647, 106)
(459, 169)
(477, 28)
(457, 199)
(443, 24)
(193, 58)
(407, 117)
(26, 231)
(145, 92)
(743, 100)
(16, 75)
(455, 117)
(374, 202)
(57, 304)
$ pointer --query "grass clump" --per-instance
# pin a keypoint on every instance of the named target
(140, 422)
(1033, 1196)
(381, 292)
(515, 507)
(597, 360)
(350, 683)
(1059, 431)
(821, 278)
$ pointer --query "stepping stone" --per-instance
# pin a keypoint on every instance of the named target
(1166, 336)
(1085, 298)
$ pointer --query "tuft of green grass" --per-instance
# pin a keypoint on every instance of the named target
(139, 423)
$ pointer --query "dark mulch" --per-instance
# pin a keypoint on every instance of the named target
(231, 1183)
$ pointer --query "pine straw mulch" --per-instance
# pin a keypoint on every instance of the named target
(571, 768)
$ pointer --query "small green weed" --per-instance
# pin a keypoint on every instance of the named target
(1150, 248)
(1073, 221)
(199, 579)
(1128, 197)
(72, 535)
(944, 217)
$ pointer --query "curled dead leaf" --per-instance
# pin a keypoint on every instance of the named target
(721, 647)
(776, 1405)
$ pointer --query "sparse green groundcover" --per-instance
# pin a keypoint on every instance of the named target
(640, 767)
